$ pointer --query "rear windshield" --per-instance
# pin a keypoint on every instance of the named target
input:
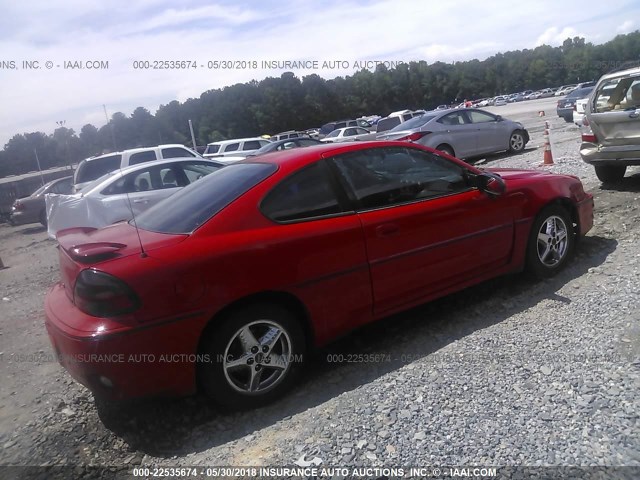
(91, 169)
(327, 127)
(192, 206)
(388, 123)
(415, 122)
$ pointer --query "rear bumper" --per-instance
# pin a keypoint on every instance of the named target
(596, 154)
(22, 218)
(133, 362)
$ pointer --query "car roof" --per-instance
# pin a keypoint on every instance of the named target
(233, 140)
(140, 166)
(290, 160)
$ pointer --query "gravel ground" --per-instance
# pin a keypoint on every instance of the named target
(511, 372)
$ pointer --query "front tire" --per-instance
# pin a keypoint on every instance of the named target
(610, 173)
(516, 142)
(254, 356)
(551, 242)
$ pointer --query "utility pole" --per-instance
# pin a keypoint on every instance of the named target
(193, 137)
(113, 135)
(35, 150)
(61, 124)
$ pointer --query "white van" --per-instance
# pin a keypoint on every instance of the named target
(92, 168)
(237, 147)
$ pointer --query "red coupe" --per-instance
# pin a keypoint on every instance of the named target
(228, 283)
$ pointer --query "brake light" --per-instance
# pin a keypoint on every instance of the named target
(414, 136)
(589, 137)
(102, 295)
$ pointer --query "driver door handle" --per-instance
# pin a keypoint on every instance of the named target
(387, 229)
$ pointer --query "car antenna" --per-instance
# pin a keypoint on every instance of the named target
(143, 254)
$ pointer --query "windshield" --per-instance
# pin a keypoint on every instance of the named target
(192, 206)
(415, 122)
(580, 92)
(40, 190)
(211, 149)
(335, 133)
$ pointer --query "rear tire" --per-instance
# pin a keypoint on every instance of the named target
(446, 149)
(551, 242)
(610, 173)
(43, 218)
(254, 354)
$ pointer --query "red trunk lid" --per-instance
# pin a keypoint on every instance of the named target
(84, 247)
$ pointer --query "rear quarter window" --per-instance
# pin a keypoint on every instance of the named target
(142, 157)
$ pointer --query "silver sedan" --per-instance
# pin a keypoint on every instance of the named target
(462, 133)
(349, 134)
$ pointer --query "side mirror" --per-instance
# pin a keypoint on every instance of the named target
(491, 184)
(499, 118)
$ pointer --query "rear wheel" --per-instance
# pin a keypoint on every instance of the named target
(254, 356)
(551, 242)
(610, 173)
(446, 149)
(43, 217)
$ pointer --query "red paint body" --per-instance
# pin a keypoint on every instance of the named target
(342, 272)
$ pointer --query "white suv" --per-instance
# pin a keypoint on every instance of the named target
(92, 168)
(237, 147)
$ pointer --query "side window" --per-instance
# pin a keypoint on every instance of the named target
(381, 177)
(251, 145)
(456, 118)
(263, 143)
(195, 171)
(232, 147)
(142, 157)
(176, 152)
(286, 146)
(350, 132)
(306, 142)
(361, 131)
(480, 117)
(340, 125)
(306, 194)
(139, 181)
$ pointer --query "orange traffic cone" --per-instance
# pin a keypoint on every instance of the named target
(548, 156)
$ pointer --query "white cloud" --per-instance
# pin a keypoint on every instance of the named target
(554, 36)
(626, 27)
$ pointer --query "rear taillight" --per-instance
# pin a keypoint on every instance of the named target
(102, 295)
(414, 137)
(589, 137)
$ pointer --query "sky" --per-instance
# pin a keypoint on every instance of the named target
(118, 36)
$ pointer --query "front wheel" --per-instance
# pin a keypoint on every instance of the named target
(252, 357)
(516, 142)
(610, 173)
(550, 243)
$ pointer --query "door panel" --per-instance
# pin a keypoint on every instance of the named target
(418, 249)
